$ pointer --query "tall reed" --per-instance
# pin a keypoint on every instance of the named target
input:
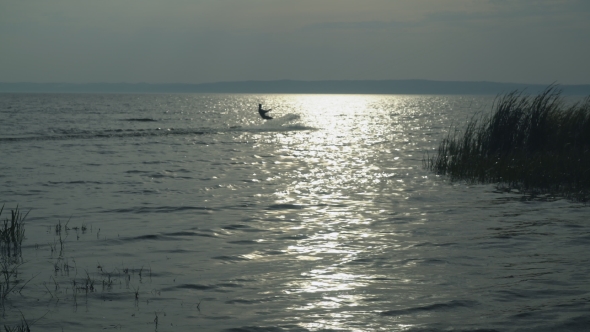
(536, 144)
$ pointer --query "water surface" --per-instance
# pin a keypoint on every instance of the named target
(188, 212)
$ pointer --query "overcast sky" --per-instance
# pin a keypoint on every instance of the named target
(196, 41)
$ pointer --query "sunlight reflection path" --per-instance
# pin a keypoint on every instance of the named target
(343, 202)
(336, 182)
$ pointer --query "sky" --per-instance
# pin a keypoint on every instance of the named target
(198, 41)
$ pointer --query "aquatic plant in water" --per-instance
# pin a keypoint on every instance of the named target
(22, 327)
(12, 233)
(63, 287)
(535, 144)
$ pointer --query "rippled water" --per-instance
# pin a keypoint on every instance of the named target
(188, 212)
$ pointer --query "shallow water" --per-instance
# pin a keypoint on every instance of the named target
(188, 212)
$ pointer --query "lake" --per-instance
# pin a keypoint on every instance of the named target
(189, 212)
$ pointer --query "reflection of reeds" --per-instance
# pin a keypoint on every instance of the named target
(22, 327)
(534, 144)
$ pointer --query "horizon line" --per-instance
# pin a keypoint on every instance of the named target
(286, 86)
(299, 80)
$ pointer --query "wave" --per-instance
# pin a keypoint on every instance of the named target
(431, 307)
(282, 122)
(73, 134)
(140, 119)
(286, 119)
(160, 209)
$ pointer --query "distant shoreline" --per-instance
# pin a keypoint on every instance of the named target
(297, 87)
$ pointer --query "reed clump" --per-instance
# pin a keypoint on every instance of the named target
(535, 144)
(12, 233)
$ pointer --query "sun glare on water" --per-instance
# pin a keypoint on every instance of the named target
(335, 177)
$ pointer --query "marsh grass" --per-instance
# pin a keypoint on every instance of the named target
(65, 284)
(12, 233)
(535, 144)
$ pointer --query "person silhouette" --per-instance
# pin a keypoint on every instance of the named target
(263, 112)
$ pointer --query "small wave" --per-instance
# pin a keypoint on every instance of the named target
(286, 207)
(243, 242)
(433, 307)
(186, 233)
(252, 301)
(112, 133)
(287, 328)
(146, 237)
(134, 171)
(172, 176)
(192, 286)
(154, 132)
(286, 119)
(294, 237)
(579, 323)
(229, 285)
(140, 119)
(231, 258)
(242, 301)
(237, 227)
(155, 237)
(159, 209)
(76, 182)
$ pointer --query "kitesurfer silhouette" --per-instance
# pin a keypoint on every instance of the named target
(263, 112)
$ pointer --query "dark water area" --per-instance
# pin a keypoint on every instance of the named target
(189, 212)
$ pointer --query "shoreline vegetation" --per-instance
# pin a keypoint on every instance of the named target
(538, 145)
